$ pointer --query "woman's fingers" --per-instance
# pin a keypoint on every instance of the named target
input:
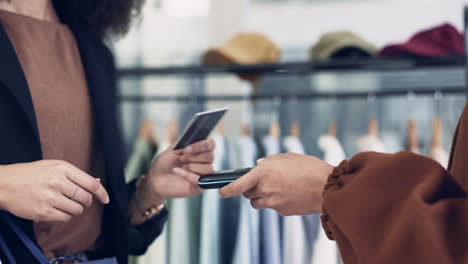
(204, 157)
(67, 205)
(259, 203)
(187, 175)
(191, 178)
(241, 185)
(76, 193)
(252, 194)
(199, 147)
(88, 183)
(199, 168)
(82, 196)
(56, 215)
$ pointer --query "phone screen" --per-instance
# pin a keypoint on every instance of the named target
(200, 127)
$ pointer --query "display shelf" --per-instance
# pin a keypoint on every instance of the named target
(378, 64)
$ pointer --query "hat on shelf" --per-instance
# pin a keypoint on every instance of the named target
(244, 49)
(341, 44)
(442, 40)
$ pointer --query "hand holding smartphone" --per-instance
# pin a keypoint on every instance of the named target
(200, 127)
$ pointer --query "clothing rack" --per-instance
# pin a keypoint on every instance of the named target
(379, 64)
(297, 96)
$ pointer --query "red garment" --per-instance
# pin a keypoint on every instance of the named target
(439, 41)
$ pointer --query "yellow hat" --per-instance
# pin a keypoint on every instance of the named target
(332, 42)
(244, 48)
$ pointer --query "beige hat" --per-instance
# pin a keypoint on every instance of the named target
(332, 42)
(244, 48)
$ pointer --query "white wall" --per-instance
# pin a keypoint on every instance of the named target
(296, 24)
(169, 36)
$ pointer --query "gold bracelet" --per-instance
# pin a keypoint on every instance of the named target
(149, 212)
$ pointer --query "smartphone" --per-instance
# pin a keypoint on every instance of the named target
(220, 179)
(200, 127)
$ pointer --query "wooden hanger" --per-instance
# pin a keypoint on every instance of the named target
(373, 127)
(172, 131)
(332, 129)
(220, 129)
(245, 130)
(146, 132)
(436, 141)
(412, 136)
(295, 129)
(275, 130)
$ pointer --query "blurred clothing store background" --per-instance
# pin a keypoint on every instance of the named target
(404, 57)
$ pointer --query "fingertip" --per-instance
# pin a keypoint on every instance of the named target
(212, 144)
(106, 200)
(104, 197)
(225, 192)
(222, 193)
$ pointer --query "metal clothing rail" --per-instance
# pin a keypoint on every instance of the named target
(297, 96)
(380, 64)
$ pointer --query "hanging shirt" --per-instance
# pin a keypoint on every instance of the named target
(210, 233)
(184, 230)
(371, 143)
(137, 165)
(392, 142)
(247, 246)
(325, 250)
(183, 234)
(272, 145)
(295, 246)
(157, 252)
(229, 213)
(140, 160)
(440, 155)
(269, 219)
(312, 228)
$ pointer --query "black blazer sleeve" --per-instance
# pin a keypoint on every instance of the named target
(139, 237)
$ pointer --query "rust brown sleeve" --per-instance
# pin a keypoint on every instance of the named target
(400, 208)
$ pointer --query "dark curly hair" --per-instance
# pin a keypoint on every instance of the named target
(106, 18)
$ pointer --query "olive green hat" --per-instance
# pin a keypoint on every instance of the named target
(332, 42)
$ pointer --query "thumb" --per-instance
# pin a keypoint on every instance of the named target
(241, 185)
